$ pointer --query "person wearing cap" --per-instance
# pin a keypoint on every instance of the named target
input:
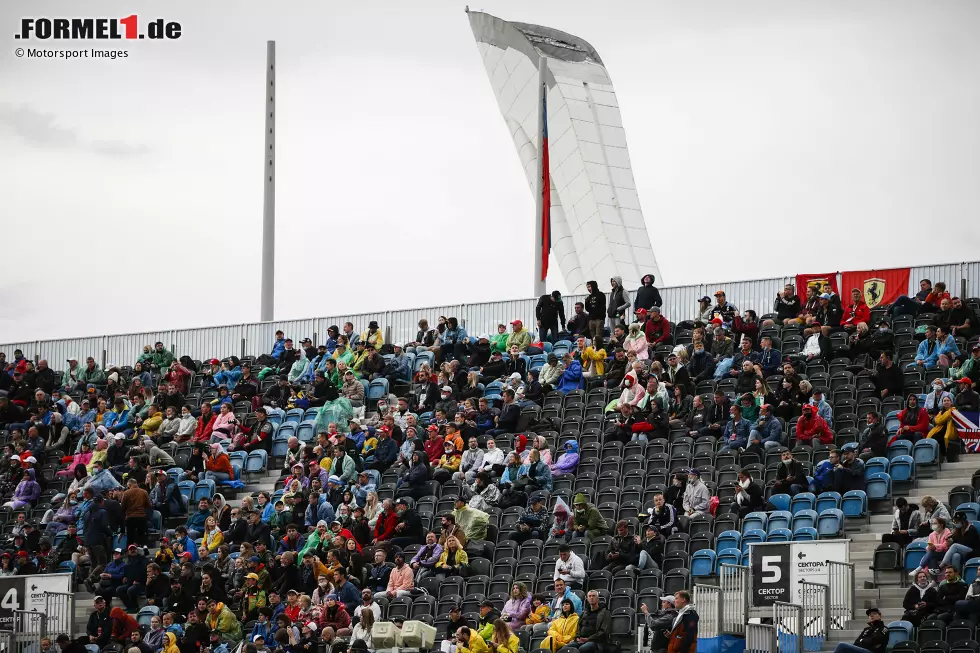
(519, 337)
(696, 495)
(967, 399)
(452, 341)
(873, 639)
(659, 622)
(223, 621)
(812, 428)
(849, 473)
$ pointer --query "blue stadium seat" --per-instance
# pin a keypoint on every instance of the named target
(256, 462)
(280, 445)
(804, 534)
(274, 418)
(378, 389)
(779, 501)
(892, 423)
(899, 631)
(203, 490)
(146, 613)
(879, 487)
(902, 470)
(729, 557)
(899, 448)
(779, 535)
(187, 489)
(971, 509)
(804, 518)
(754, 536)
(913, 555)
(875, 465)
(970, 570)
(754, 521)
(855, 504)
(779, 519)
(827, 500)
(925, 452)
(310, 414)
(830, 524)
(237, 457)
(802, 501)
(306, 432)
(286, 431)
(703, 563)
(294, 415)
(728, 540)
(422, 357)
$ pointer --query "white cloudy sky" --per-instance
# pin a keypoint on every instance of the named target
(767, 137)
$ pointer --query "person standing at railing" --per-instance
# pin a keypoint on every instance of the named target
(873, 639)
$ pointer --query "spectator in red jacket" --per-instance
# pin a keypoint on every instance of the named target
(812, 427)
(857, 313)
(384, 528)
(913, 420)
(655, 326)
(205, 423)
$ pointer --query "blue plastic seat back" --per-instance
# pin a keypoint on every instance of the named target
(802, 501)
(854, 504)
(280, 448)
(779, 535)
(703, 563)
(780, 501)
(913, 555)
(830, 523)
(306, 432)
(203, 490)
(754, 521)
(899, 448)
(378, 389)
(925, 452)
(902, 469)
(729, 557)
(970, 570)
(728, 540)
(755, 536)
(804, 518)
(804, 534)
(186, 489)
(971, 509)
(879, 486)
(257, 461)
(294, 415)
(286, 431)
(876, 464)
(827, 500)
(779, 519)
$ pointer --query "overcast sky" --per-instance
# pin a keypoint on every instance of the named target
(768, 137)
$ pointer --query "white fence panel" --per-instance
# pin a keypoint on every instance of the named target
(758, 295)
(949, 273)
(971, 272)
(358, 320)
(681, 302)
(126, 348)
(259, 336)
(209, 342)
(484, 318)
(57, 352)
(29, 349)
(404, 325)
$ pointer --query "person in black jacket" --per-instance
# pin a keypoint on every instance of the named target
(675, 493)
(622, 552)
(550, 314)
(595, 306)
(965, 542)
(408, 530)
(593, 626)
(718, 415)
(887, 376)
(874, 438)
(647, 295)
(920, 599)
(966, 399)
(579, 324)
(99, 625)
(873, 639)
(951, 590)
(663, 517)
(196, 634)
(749, 497)
(791, 477)
(510, 414)
(787, 304)
(257, 531)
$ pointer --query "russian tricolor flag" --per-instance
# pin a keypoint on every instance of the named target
(545, 189)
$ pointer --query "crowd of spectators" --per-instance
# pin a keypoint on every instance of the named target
(393, 495)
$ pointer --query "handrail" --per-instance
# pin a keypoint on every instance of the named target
(841, 598)
(816, 614)
(787, 618)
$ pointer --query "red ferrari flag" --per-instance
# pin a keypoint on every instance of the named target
(822, 282)
(545, 189)
(879, 287)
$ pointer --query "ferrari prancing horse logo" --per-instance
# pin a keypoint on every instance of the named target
(874, 291)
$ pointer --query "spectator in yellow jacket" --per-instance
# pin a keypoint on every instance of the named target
(469, 641)
(520, 337)
(503, 640)
(563, 628)
(593, 362)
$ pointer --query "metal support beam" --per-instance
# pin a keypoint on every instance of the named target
(539, 284)
(269, 194)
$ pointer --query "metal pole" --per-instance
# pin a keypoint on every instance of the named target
(269, 196)
(539, 285)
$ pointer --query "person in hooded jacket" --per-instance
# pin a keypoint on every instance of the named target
(920, 599)
(571, 378)
(811, 427)
(550, 314)
(647, 295)
(618, 304)
(595, 306)
(874, 438)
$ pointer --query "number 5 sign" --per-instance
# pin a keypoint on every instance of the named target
(770, 574)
